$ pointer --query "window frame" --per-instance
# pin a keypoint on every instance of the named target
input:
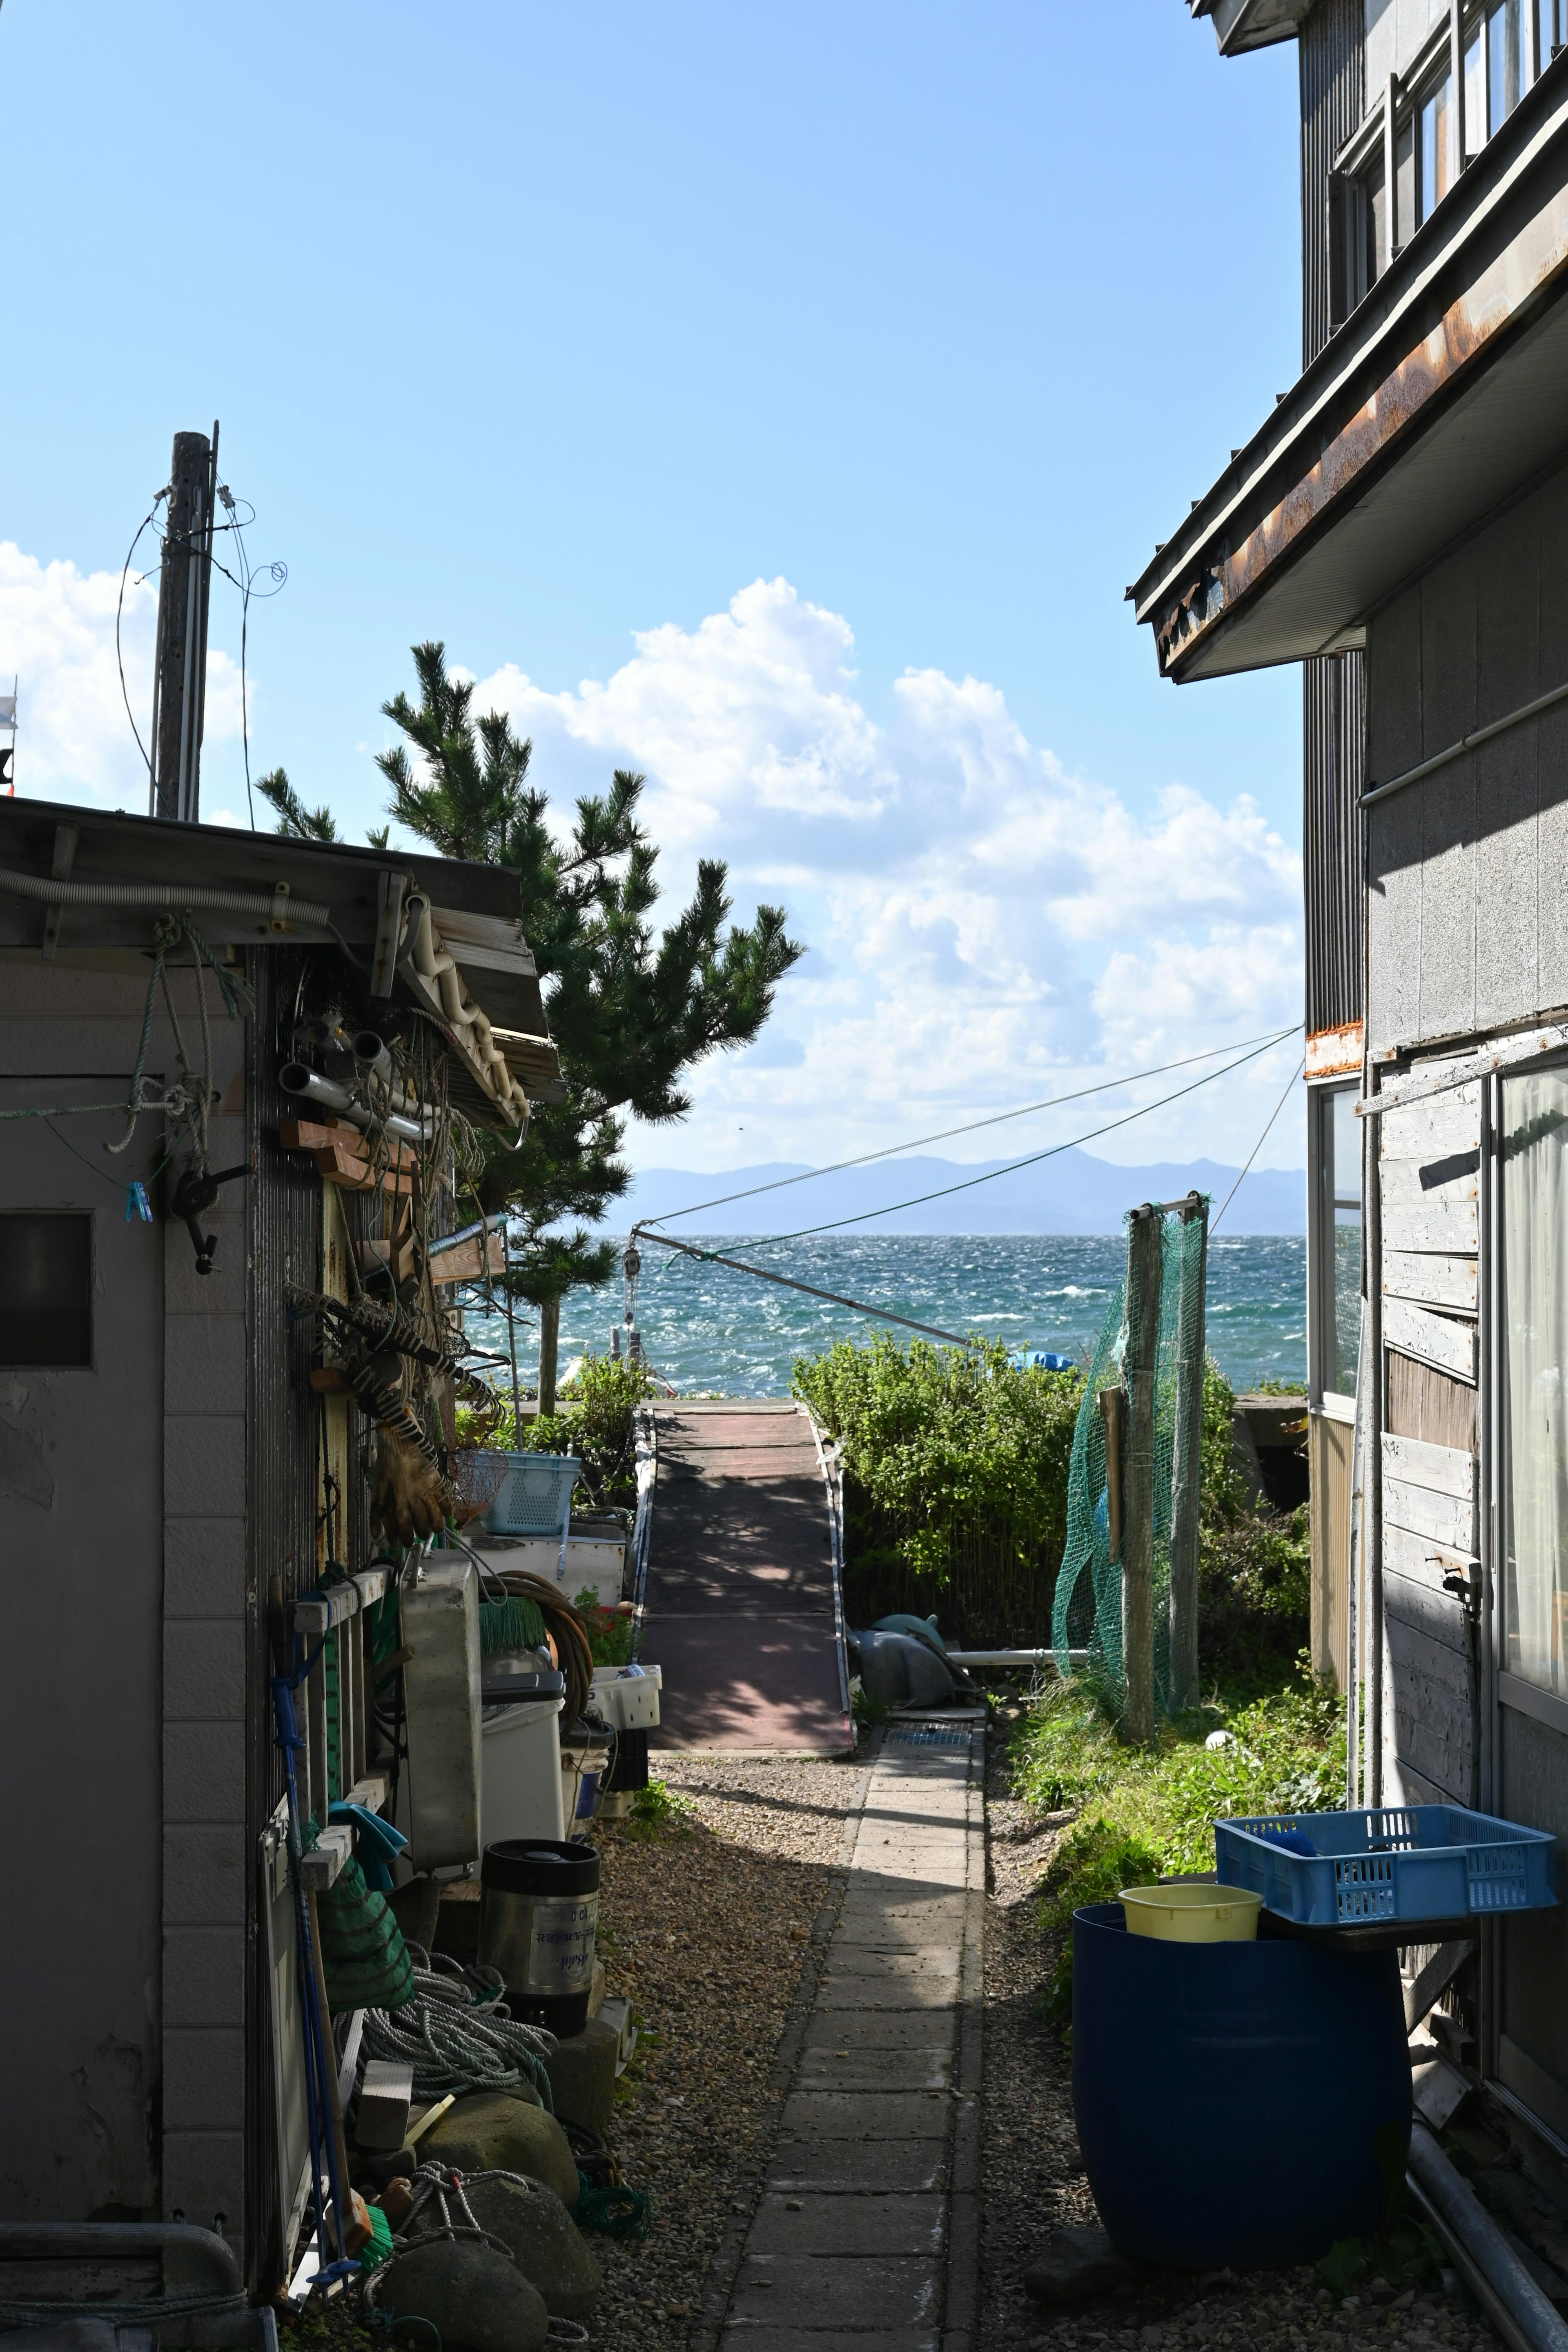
(1322, 1195)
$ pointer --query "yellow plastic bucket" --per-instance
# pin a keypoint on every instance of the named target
(1193, 1915)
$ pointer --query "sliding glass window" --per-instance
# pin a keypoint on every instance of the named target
(1334, 1340)
(1431, 152)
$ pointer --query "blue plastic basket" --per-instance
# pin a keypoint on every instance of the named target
(1406, 1861)
(535, 1494)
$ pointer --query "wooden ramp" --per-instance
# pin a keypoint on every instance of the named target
(739, 1586)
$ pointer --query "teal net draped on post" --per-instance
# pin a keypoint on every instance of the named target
(1151, 1347)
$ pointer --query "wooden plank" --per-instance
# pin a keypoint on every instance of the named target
(1436, 1615)
(1426, 1130)
(1451, 1227)
(464, 1264)
(1441, 1340)
(1422, 1559)
(1445, 1181)
(337, 1165)
(1431, 1689)
(314, 1134)
(1444, 1469)
(1431, 1279)
(1447, 1519)
(1429, 1406)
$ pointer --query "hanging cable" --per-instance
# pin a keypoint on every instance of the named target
(971, 1127)
(1261, 1142)
(856, 1306)
(944, 1192)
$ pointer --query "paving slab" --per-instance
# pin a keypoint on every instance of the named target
(866, 2236)
(851, 2168)
(880, 2028)
(867, 2115)
(875, 2070)
(898, 2224)
(842, 2290)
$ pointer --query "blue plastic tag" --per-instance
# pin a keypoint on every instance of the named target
(137, 1204)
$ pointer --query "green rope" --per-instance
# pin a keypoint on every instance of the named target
(513, 1623)
(619, 2213)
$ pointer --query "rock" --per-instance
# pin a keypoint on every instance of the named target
(583, 2075)
(492, 2131)
(477, 2299)
(1075, 2264)
(545, 2242)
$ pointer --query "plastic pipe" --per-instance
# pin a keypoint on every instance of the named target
(1012, 1657)
(1463, 2218)
(193, 895)
(433, 963)
(309, 1086)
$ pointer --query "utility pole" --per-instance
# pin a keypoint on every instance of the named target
(180, 677)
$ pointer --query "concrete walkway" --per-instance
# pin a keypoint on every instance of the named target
(866, 2235)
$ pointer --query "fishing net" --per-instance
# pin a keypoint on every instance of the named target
(1088, 1612)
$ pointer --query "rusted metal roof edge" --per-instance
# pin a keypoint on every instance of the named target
(1311, 415)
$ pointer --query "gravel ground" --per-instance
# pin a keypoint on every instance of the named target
(1033, 2182)
(705, 1926)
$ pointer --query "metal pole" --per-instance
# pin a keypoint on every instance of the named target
(1186, 1464)
(1145, 1244)
(510, 1322)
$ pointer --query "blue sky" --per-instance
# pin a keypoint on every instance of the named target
(774, 400)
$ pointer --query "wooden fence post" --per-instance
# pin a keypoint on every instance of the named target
(1186, 1462)
(1146, 1246)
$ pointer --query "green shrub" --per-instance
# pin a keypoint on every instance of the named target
(597, 1421)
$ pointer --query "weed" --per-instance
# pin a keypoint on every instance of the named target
(660, 1811)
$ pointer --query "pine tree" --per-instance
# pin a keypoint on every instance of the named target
(630, 1011)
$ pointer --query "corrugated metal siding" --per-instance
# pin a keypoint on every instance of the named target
(1330, 54)
(283, 1242)
(1333, 763)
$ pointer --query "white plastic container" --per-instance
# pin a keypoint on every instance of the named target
(628, 1697)
(522, 1774)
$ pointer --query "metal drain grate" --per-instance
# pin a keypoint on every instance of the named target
(925, 1735)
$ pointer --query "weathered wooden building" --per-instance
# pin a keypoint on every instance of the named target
(165, 1454)
(1398, 525)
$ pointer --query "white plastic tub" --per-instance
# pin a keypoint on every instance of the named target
(520, 1793)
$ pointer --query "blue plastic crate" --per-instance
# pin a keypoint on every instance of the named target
(535, 1496)
(1403, 1862)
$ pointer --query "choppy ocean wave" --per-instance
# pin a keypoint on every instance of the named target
(708, 1328)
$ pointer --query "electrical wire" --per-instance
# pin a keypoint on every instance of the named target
(944, 1192)
(119, 609)
(971, 1126)
(856, 1306)
(1261, 1142)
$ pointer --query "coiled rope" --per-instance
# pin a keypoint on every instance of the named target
(456, 2041)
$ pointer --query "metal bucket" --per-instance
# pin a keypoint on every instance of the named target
(539, 1911)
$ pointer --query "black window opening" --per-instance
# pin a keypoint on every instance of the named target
(46, 1287)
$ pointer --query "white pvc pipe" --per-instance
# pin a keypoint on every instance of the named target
(433, 963)
(1013, 1657)
(194, 895)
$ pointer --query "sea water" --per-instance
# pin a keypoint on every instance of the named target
(707, 1328)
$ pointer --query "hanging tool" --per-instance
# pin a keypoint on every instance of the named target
(290, 1666)
(193, 1196)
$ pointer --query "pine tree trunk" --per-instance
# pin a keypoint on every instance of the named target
(549, 1346)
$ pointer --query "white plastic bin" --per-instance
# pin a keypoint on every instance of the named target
(520, 1792)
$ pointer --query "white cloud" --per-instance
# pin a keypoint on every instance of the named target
(988, 927)
(74, 740)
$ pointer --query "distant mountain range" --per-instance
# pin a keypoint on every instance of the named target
(1074, 1193)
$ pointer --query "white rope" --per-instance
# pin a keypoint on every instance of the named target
(456, 2044)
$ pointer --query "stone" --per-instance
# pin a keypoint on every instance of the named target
(582, 2073)
(545, 2242)
(1075, 2264)
(478, 2300)
(491, 2131)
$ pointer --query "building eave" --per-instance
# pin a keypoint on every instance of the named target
(1477, 297)
(1243, 25)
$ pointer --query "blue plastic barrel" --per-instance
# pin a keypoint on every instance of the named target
(1237, 2103)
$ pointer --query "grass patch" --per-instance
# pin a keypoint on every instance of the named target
(1147, 1813)
(660, 1811)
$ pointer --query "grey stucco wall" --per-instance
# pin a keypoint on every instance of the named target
(190, 1504)
(1467, 919)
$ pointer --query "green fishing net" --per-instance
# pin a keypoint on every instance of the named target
(1088, 1615)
